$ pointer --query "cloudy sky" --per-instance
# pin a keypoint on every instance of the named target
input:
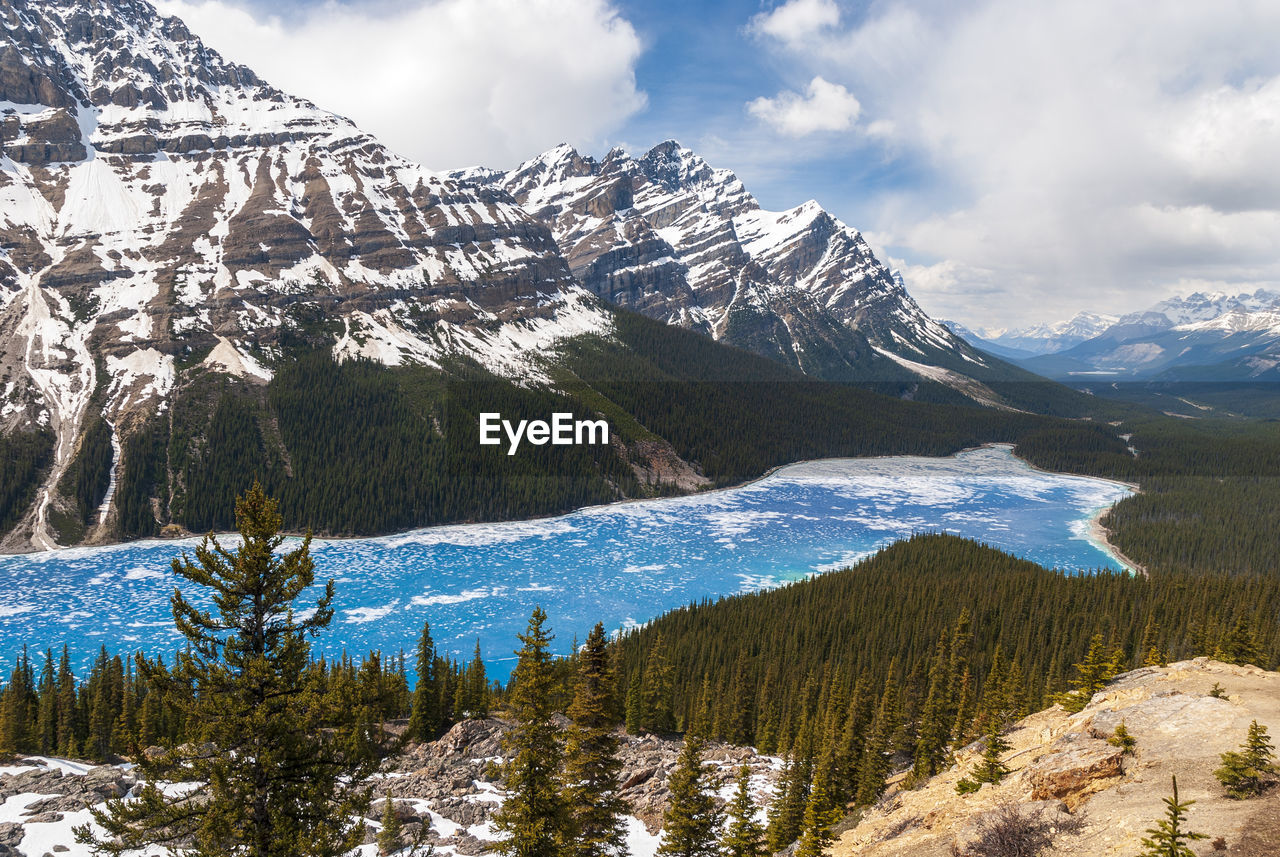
(1019, 160)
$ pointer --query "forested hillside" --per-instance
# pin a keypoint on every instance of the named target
(762, 663)
(916, 652)
(1210, 499)
(361, 448)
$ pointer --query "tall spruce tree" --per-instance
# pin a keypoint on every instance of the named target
(596, 812)
(937, 716)
(786, 815)
(877, 751)
(262, 742)
(479, 682)
(425, 716)
(819, 815)
(533, 817)
(744, 836)
(656, 704)
(691, 824)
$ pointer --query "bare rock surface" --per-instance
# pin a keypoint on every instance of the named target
(1062, 766)
(444, 792)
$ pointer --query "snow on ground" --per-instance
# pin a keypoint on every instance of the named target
(226, 357)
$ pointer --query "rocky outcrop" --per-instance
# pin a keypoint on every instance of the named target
(1084, 796)
(672, 237)
(444, 792)
(456, 775)
(1076, 772)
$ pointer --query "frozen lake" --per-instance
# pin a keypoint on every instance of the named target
(621, 564)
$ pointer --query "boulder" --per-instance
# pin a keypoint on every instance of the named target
(1075, 773)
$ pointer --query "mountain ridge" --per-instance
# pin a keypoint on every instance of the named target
(176, 233)
(670, 236)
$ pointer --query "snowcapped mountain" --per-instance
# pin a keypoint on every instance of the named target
(1019, 343)
(672, 237)
(176, 234)
(1213, 336)
(160, 206)
(1054, 337)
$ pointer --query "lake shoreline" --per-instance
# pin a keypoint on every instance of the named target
(1098, 534)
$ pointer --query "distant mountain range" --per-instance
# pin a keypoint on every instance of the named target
(1202, 337)
(172, 224)
(1021, 343)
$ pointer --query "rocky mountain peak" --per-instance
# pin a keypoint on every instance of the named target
(165, 212)
(670, 235)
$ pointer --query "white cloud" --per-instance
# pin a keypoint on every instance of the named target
(825, 106)
(449, 83)
(1075, 155)
(796, 20)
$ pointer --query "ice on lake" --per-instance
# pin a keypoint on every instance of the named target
(622, 564)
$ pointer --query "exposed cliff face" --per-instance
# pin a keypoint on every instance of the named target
(674, 238)
(1095, 800)
(163, 209)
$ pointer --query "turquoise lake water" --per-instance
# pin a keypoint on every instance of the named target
(622, 564)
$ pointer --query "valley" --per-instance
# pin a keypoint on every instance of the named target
(617, 505)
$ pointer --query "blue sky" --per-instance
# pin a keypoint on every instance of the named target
(1019, 160)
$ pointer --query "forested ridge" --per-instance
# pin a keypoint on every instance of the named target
(1210, 498)
(758, 660)
(357, 448)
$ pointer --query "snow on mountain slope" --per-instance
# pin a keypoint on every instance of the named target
(1201, 307)
(1212, 336)
(672, 237)
(1052, 337)
(161, 206)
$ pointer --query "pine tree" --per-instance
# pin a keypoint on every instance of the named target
(533, 815)
(1240, 646)
(876, 762)
(388, 839)
(47, 718)
(738, 726)
(786, 815)
(962, 727)
(1092, 674)
(1123, 739)
(692, 821)
(15, 721)
(68, 711)
(994, 705)
(655, 696)
(745, 835)
(634, 707)
(596, 812)
(463, 704)
(425, 716)
(1152, 654)
(267, 748)
(1167, 838)
(935, 717)
(992, 770)
(1249, 772)
(819, 815)
(479, 685)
